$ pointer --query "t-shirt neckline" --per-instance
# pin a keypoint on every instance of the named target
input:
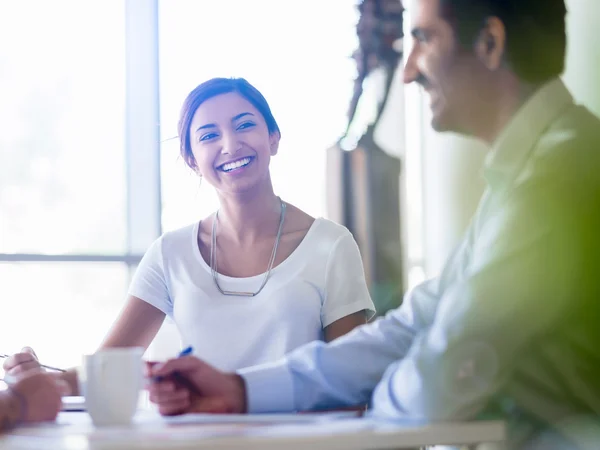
(297, 253)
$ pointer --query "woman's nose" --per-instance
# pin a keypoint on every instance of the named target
(231, 144)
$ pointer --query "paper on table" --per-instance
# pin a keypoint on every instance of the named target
(73, 403)
(259, 419)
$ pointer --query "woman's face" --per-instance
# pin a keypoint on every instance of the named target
(231, 143)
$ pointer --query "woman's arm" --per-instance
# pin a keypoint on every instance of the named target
(347, 302)
(137, 324)
(344, 325)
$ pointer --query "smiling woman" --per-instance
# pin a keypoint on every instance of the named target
(228, 134)
(257, 278)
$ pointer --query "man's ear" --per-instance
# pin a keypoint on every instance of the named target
(274, 142)
(490, 46)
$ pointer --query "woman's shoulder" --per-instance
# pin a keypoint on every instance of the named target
(178, 238)
(328, 230)
(321, 229)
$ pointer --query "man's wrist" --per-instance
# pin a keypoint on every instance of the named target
(13, 408)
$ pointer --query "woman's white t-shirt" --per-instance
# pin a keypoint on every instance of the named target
(320, 282)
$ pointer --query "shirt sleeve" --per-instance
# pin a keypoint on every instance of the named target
(345, 371)
(516, 287)
(346, 289)
(149, 282)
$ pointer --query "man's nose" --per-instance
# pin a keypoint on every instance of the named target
(411, 71)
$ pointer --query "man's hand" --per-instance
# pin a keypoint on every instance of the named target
(186, 385)
(22, 362)
(34, 397)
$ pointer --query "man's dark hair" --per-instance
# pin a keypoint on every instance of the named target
(535, 32)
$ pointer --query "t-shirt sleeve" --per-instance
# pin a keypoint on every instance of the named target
(149, 282)
(346, 289)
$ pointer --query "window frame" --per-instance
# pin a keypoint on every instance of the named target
(142, 148)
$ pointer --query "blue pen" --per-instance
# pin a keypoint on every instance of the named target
(186, 351)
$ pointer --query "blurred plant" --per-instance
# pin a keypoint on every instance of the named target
(380, 32)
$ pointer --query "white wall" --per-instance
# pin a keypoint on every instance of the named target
(582, 75)
(452, 186)
(451, 165)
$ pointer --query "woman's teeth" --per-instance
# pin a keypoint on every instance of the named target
(235, 165)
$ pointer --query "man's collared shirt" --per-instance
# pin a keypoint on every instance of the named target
(512, 314)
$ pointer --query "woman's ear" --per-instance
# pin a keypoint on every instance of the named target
(274, 142)
(190, 161)
(491, 44)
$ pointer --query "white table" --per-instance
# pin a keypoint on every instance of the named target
(74, 431)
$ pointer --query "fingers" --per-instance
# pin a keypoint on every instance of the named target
(161, 396)
(25, 368)
(30, 351)
(148, 365)
(36, 377)
(63, 387)
(162, 388)
(183, 404)
(170, 398)
(174, 408)
(19, 363)
(181, 365)
(211, 405)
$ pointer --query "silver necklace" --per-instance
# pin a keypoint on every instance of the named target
(213, 256)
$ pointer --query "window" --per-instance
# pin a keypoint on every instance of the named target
(61, 160)
(64, 259)
(60, 309)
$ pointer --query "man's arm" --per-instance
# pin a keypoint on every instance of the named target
(524, 272)
(343, 372)
(316, 376)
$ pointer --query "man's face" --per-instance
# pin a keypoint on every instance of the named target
(450, 75)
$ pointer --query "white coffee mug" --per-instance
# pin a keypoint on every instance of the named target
(111, 380)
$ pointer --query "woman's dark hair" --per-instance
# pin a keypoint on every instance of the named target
(208, 90)
(536, 39)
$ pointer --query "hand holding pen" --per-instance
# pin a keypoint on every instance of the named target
(24, 361)
(186, 384)
(149, 365)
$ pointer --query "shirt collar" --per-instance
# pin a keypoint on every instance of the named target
(514, 145)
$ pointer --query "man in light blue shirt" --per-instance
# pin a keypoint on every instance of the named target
(511, 328)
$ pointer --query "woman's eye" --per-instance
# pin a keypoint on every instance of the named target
(245, 125)
(207, 136)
